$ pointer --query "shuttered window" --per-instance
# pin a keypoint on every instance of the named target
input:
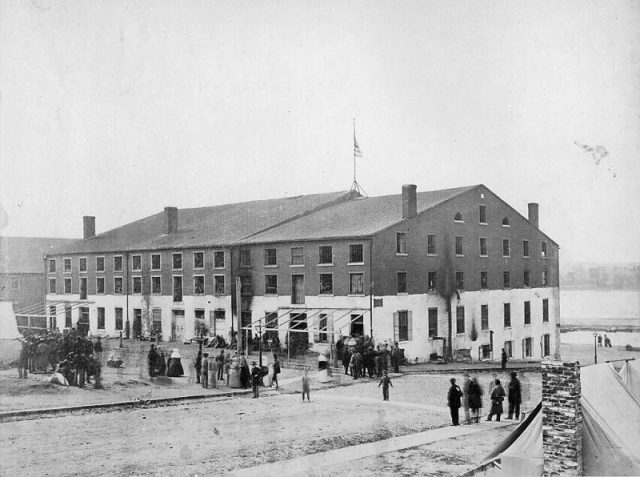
(402, 326)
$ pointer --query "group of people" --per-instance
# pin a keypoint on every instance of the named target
(75, 357)
(470, 398)
(160, 364)
(607, 341)
(363, 359)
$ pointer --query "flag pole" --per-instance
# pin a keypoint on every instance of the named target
(354, 151)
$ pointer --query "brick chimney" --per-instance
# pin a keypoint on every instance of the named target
(89, 226)
(409, 201)
(533, 214)
(171, 219)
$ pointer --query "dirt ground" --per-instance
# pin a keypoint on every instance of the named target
(216, 436)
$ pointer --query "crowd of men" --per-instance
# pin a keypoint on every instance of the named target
(362, 358)
(77, 358)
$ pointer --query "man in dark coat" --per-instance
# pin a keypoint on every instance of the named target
(453, 401)
(198, 366)
(346, 359)
(256, 375)
(503, 359)
(23, 361)
(152, 361)
(497, 396)
(475, 399)
(514, 396)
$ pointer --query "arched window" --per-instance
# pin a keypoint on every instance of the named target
(458, 217)
(505, 222)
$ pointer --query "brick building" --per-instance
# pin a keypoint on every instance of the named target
(455, 268)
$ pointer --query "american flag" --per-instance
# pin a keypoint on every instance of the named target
(356, 149)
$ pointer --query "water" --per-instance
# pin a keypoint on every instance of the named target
(610, 308)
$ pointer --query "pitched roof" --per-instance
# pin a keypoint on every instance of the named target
(26, 254)
(204, 226)
(360, 217)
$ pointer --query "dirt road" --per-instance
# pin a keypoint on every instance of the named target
(216, 436)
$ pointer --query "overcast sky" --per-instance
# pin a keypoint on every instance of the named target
(118, 109)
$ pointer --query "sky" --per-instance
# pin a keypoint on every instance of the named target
(117, 108)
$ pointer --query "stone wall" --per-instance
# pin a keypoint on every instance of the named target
(561, 418)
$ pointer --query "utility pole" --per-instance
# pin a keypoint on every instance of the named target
(238, 316)
(260, 340)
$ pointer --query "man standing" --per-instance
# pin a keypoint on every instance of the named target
(23, 361)
(385, 382)
(395, 357)
(152, 361)
(514, 396)
(220, 360)
(204, 371)
(255, 379)
(466, 387)
(504, 359)
(276, 370)
(346, 359)
(497, 396)
(198, 366)
(453, 401)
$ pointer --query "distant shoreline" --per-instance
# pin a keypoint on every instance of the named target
(610, 328)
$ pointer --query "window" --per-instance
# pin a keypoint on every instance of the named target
(506, 248)
(137, 285)
(482, 214)
(198, 285)
(270, 257)
(52, 285)
(156, 285)
(431, 244)
(460, 280)
(83, 288)
(101, 318)
(218, 259)
(506, 279)
(484, 317)
(15, 283)
(245, 257)
(357, 325)
(118, 318)
(402, 282)
(219, 315)
(431, 281)
(525, 278)
(459, 246)
(99, 264)
(53, 317)
(136, 263)
(156, 321)
(326, 284)
(218, 284)
(271, 284)
(460, 320)
(458, 217)
(401, 243)
(545, 310)
(67, 317)
(402, 328)
(505, 222)
(246, 287)
(199, 325)
(323, 325)
(507, 315)
(546, 345)
(545, 277)
(433, 322)
(297, 289)
(325, 255)
(155, 261)
(82, 264)
(484, 280)
(67, 285)
(117, 285)
(483, 247)
(356, 284)
(527, 312)
(508, 348)
(176, 261)
(52, 265)
(67, 265)
(355, 253)
(100, 285)
(543, 249)
(525, 248)
(177, 289)
(198, 259)
(117, 263)
(527, 347)
(297, 257)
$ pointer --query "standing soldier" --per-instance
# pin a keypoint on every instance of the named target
(306, 385)
(152, 361)
(503, 359)
(97, 350)
(514, 396)
(453, 401)
(198, 366)
(465, 398)
(204, 371)
(220, 367)
(213, 371)
(497, 396)
(256, 374)
(385, 382)
(23, 362)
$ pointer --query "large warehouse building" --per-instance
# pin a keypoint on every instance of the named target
(455, 271)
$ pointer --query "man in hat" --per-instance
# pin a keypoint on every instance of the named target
(514, 396)
(465, 398)
(256, 374)
(453, 401)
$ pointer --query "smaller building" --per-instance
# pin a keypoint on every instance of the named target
(22, 275)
